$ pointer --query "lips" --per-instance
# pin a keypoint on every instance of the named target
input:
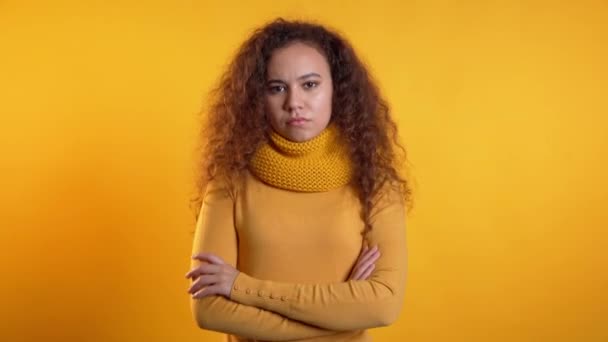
(297, 121)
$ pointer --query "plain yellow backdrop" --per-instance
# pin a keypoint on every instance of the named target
(502, 106)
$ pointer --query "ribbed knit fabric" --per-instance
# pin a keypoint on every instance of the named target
(317, 165)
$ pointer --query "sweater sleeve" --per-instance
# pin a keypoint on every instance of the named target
(351, 305)
(215, 233)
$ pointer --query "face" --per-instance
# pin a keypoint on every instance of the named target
(298, 92)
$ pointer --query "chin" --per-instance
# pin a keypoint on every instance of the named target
(298, 137)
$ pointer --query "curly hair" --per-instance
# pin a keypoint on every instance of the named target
(237, 125)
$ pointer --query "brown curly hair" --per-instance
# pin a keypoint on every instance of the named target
(237, 125)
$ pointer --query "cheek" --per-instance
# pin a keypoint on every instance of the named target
(273, 109)
(271, 104)
(324, 103)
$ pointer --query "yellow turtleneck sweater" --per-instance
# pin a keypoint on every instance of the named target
(295, 239)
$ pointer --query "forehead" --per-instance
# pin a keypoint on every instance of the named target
(295, 60)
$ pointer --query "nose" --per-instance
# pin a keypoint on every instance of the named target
(293, 100)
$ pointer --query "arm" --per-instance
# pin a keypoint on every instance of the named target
(215, 233)
(351, 305)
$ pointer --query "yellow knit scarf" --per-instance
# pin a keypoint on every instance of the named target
(316, 165)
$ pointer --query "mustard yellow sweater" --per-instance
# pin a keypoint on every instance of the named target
(294, 250)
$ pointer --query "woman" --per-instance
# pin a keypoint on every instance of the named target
(301, 231)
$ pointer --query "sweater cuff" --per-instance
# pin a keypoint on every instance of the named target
(259, 293)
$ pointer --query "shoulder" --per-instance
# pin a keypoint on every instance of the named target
(220, 188)
(390, 196)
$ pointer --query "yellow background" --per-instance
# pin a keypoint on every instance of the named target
(502, 105)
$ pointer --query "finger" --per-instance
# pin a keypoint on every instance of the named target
(363, 273)
(365, 264)
(357, 272)
(193, 273)
(368, 272)
(357, 275)
(369, 255)
(201, 282)
(204, 269)
(365, 252)
(363, 257)
(369, 251)
(209, 257)
(200, 293)
(206, 291)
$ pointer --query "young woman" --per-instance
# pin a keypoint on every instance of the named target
(301, 229)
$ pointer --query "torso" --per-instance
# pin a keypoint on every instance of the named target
(297, 236)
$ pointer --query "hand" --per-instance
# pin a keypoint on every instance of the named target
(215, 277)
(365, 263)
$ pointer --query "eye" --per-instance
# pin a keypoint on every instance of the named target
(310, 84)
(276, 89)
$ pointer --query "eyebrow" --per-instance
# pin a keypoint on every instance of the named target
(299, 78)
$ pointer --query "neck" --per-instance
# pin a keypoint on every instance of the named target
(319, 164)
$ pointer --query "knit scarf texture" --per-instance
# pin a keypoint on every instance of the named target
(317, 165)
